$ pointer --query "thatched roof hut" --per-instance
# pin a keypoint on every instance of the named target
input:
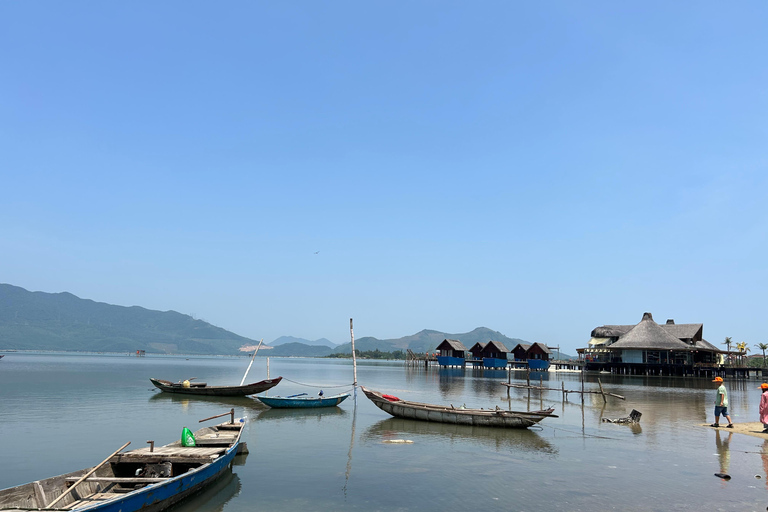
(495, 349)
(452, 348)
(648, 335)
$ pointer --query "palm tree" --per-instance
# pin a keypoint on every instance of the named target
(727, 344)
(763, 347)
(742, 348)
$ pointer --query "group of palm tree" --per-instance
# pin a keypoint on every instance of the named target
(743, 349)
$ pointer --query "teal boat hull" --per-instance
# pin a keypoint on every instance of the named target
(307, 402)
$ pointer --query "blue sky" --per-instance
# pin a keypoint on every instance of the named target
(276, 168)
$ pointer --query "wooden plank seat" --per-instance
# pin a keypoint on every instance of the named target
(230, 426)
(121, 479)
(173, 454)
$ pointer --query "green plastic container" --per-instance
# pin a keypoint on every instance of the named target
(187, 439)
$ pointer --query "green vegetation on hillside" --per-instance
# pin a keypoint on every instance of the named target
(371, 354)
(62, 321)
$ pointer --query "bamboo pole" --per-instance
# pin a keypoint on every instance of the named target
(92, 471)
(523, 386)
(249, 364)
(601, 390)
(354, 358)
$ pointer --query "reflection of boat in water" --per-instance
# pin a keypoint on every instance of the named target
(512, 439)
(301, 415)
(230, 401)
(201, 388)
(461, 416)
(217, 495)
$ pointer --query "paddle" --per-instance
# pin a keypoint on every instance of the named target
(86, 476)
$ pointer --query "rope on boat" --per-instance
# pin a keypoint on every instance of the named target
(318, 386)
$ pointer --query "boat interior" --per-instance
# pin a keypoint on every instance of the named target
(123, 473)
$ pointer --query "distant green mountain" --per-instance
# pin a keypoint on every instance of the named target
(62, 321)
(428, 340)
(297, 350)
(282, 340)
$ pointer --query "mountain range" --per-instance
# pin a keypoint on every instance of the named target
(62, 321)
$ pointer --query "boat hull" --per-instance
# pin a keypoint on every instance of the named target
(248, 389)
(157, 493)
(441, 414)
(312, 402)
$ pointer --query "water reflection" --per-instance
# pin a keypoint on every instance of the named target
(238, 402)
(723, 451)
(302, 415)
(495, 438)
(214, 497)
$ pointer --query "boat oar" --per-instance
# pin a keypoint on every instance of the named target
(92, 471)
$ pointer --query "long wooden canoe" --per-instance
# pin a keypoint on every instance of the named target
(145, 480)
(459, 416)
(302, 402)
(201, 388)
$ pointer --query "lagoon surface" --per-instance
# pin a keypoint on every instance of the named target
(63, 412)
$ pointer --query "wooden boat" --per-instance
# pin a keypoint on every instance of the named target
(450, 414)
(147, 480)
(302, 401)
(201, 388)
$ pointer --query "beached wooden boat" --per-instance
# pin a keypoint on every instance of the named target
(201, 388)
(450, 414)
(302, 401)
(147, 480)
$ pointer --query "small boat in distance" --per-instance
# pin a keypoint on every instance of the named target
(201, 388)
(302, 401)
(149, 479)
(459, 416)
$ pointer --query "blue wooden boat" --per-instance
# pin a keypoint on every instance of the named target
(302, 401)
(147, 480)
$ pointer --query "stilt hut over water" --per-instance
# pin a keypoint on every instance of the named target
(494, 355)
(520, 354)
(648, 347)
(477, 350)
(538, 356)
(451, 353)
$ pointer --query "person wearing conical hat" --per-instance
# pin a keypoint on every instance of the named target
(764, 407)
(721, 404)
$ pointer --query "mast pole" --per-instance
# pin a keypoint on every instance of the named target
(354, 358)
(251, 363)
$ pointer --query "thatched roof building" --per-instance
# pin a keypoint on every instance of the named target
(452, 348)
(649, 335)
(650, 343)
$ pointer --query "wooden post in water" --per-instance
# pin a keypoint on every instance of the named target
(605, 400)
(528, 381)
(565, 397)
(509, 379)
(354, 359)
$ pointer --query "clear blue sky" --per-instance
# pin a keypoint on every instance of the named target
(536, 168)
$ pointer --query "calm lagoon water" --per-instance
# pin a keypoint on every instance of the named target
(62, 412)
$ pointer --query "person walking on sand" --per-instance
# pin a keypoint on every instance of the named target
(764, 407)
(721, 404)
